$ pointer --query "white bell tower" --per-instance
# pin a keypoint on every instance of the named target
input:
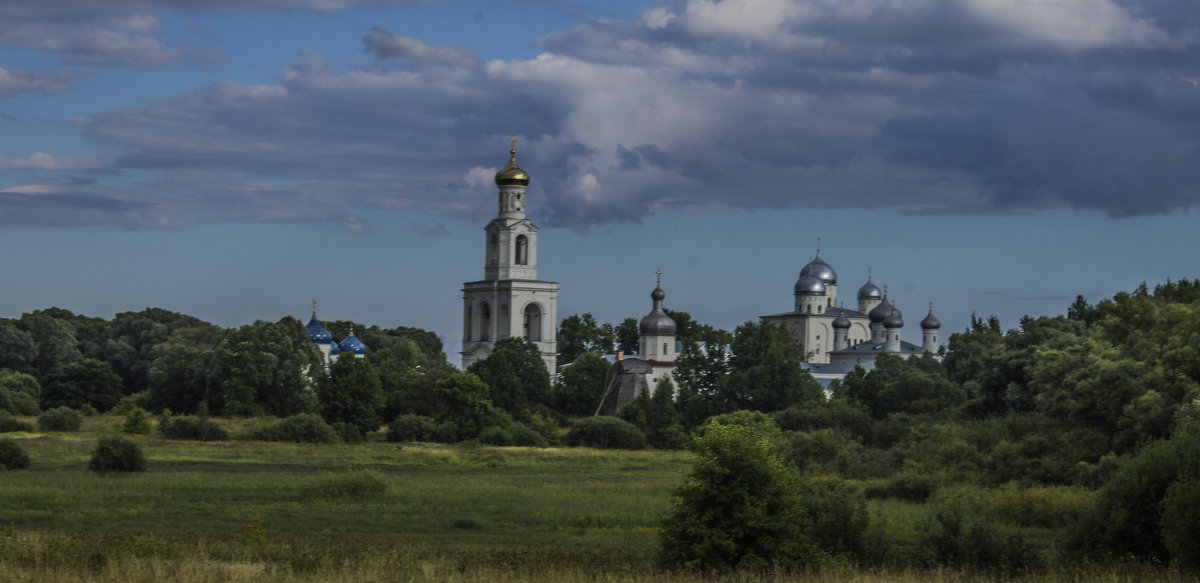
(510, 300)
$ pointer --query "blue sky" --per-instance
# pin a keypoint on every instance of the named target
(237, 160)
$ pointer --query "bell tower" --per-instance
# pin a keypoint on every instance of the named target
(510, 300)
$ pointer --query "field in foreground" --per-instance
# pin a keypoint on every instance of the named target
(252, 511)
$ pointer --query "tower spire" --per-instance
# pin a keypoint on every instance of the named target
(314, 316)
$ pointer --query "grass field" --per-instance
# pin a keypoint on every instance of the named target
(253, 511)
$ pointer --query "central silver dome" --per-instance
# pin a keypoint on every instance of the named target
(820, 270)
(657, 322)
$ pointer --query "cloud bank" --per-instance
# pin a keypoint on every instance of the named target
(924, 106)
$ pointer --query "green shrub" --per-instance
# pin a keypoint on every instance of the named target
(352, 486)
(737, 509)
(526, 436)
(88, 411)
(835, 514)
(912, 483)
(25, 404)
(302, 428)
(115, 454)
(607, 433)
(125, 406)
(60, 419)
(954, 541)
(191, 427)
(410, 427)
(136, 422)
(495, 435)
(12, 455)
(348, 432)
(1181, 524)
(445, 432)
(9, 423)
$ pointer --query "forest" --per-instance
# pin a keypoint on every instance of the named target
(1067, 440)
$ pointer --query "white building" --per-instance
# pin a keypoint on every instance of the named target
(510, 299)
(835, 339)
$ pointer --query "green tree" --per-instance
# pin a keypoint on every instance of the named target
(262, 367)
(580, 334)
(351, 394)
(86, 382)
(656, 416)
(581, 385)
(628, 334)
(131, 342)
(516, 374)
(765, 371)
(180, 375)
(17, 349)
(898, 385)
(54, 339)
(463, 402)
(737, 509)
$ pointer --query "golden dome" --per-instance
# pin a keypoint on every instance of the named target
(512, 174)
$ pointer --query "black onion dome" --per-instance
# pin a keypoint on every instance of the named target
(841, 321)
(881, 312)
(894, 319)
(930, 322)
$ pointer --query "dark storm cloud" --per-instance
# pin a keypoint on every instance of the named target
(928, 106)
(78, 205)
(16, 82)
(124, 33)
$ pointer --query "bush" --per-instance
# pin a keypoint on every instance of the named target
(1181, 524)
(607, 433)
(526, 436)
(302, 428)
(136, 422)
(9, 423)
(60, 419)
(495, 435)
(191, 427)
(117, 454)
(12, 455)
(25, 404)
(410, 428)
(445, 432)
(956, 542)
(349, 432)
(352, 486)
(737, 509)
(835, 514)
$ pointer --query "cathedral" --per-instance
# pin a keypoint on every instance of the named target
(510, 299)
(835, 339)
(657, 350)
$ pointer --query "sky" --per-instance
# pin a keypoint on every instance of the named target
(235, 159)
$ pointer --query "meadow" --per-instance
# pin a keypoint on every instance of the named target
(243, 510)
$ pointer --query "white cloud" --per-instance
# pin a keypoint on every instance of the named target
(44, 161)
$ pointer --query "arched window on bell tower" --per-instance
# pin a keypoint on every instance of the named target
(533, 323)
(522, 250)
(485, 322)
(493, 250)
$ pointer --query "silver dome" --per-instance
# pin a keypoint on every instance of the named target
(821, 270)
(657, 322)
(870, 291)
(809, 285)
(881, 312)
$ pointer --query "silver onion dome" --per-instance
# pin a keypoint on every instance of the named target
(657, 322)
(809, 285)
(820, 270)
(870, 291)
